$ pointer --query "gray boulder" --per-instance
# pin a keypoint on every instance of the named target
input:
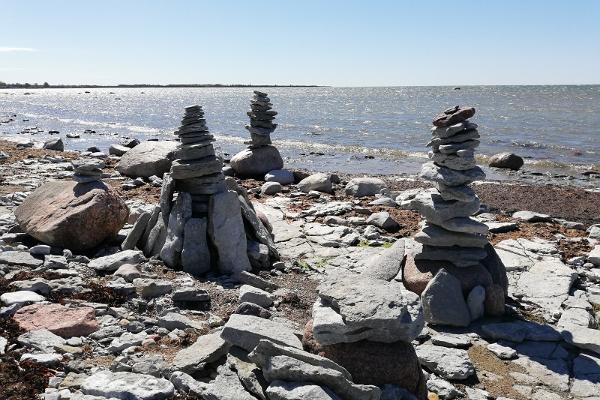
(384, 221)
(361, 187)
(319, 182)
(282, 176)
(270, 188)
(250, 163)
(76, 216)
(112, 262)
(147, 159)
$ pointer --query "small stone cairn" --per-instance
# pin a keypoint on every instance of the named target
(261, 156)
(199, 224)
(261, 120)
(450, 239)
(87, 170)
(370, 319)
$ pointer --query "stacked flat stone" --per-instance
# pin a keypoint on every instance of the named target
(450, 233)
(369, 316)
(453, 259)
(261, 156)
(87, 170)
(261, 120)
(196, 170)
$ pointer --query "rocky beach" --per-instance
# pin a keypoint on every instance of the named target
(153, 270)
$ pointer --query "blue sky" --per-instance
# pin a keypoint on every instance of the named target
(327, 42)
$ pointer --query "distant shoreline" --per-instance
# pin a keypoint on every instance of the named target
(141, 85)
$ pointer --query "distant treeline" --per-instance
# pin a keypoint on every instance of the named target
(4, 85)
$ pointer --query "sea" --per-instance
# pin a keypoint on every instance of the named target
(370, 130)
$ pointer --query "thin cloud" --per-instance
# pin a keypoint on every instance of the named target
(16, 49)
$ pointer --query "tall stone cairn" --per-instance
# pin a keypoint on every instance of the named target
(449, 233)
(453, 250)
(261, 156)
(204, 225)
(261, 120)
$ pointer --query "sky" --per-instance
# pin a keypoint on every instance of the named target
(326, 42)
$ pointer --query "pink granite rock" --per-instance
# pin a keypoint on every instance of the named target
(60, 320)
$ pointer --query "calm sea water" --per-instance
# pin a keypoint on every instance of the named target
(329, 128)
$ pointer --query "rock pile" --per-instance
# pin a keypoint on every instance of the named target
(453, 255)
(363, 320)
(261, 156)
(261, 120)
(201, 220)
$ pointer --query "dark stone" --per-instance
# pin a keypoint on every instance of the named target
(506, 160)
(453, 116)
(55, 144)
(246, 308)
(496, 268)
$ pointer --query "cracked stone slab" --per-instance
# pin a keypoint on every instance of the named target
(546, 284)
(446, 362)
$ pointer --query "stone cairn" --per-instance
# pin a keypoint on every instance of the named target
(452, 257)
(199, 225)
(87, 170)
(261, 156)
(261, 120)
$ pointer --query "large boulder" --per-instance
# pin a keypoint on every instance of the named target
(76, 216)
(147, 159)
(506, 160)
(250, 163)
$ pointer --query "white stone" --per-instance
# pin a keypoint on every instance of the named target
(127, 386)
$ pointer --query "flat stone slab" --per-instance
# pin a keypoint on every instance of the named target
(112, 262)
(206, 349)
(60, 320)
(20, 297)
(447, 362)
(246, 331)
(127, 386)
(586, 377)
(356, 307)
(42, 340)
(546, 284)
(583, 337)
(20, 258)
(518, 331)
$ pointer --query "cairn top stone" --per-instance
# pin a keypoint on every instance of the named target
(453, 116)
